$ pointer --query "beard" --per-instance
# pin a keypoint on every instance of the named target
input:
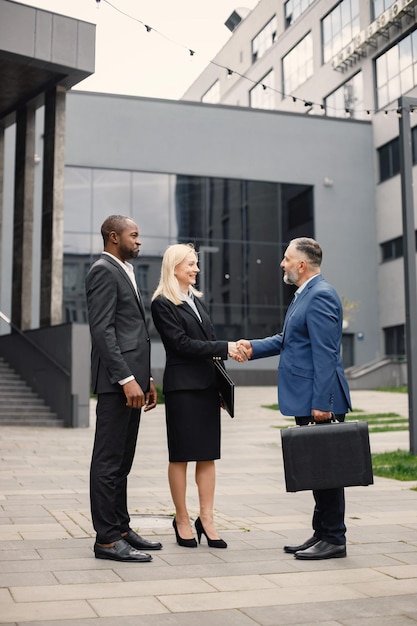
(291, 277)
(128, 253)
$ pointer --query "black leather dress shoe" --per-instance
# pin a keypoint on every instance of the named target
(121, 551)
(322, 550)
(139, 543)
(307, 544)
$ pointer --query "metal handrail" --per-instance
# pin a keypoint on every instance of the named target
(34, 345)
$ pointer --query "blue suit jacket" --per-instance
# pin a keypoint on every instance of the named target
(310, 372)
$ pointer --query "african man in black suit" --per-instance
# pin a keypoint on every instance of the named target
(121, 378)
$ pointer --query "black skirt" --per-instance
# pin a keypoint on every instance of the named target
(193, 424)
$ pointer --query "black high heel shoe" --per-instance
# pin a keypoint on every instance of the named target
(185, 543)
(213, 543)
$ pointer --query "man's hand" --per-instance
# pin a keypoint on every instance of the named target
(135, 398)
(151, 397)
(244, 349)
(321, 416)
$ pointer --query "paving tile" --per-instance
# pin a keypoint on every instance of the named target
(338, 577)
(127, 606)
(259, 597)
(24, 579)
(85, 576)
(387, 587)
(400, 571)
(109, 590)
(45, 611)
(240, 583)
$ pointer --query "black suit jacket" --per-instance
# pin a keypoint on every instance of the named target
(119, 334)
(190, 345)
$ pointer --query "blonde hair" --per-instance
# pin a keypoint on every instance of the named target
(168, 285)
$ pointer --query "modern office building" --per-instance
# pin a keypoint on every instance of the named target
(239, 184)
(345, 59)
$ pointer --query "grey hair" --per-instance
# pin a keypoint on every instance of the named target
(310, 248)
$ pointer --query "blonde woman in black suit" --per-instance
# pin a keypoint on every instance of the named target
(192, 402)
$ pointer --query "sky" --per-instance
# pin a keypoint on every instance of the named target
(132, 61)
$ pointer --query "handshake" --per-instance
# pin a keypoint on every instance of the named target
(240, 351)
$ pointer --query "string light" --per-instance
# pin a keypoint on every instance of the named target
(230, 72)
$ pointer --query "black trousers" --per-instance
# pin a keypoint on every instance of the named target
(114, 448)
(329, 510)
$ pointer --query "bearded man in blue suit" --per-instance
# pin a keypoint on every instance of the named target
(311, 380)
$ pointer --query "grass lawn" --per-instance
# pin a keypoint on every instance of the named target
(377, 422)
(400, 465)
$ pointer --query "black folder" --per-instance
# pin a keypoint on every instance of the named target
(226, 388)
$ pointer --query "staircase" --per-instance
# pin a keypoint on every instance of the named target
(19, 405)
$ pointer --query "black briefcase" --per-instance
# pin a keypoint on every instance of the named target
(324, 456)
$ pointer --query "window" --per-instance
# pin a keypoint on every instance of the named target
(389, 159)
(339, 28)
(396, 70)
(389, 156)
(260, 97)
(293, 9)
(348, 97)
(297, 65)
(380, 6)
(392, 249)
(212, 95)
(264, 40)
(243, 223)
(395, 340)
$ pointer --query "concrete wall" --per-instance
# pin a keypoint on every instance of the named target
(54, 361)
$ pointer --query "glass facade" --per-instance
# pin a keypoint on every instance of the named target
(293, 9)
(297, 65)
(260, 97)
(239, 227)
(339, 27)
(396, 70)
(347, 99)
(264, 39)
(380, 6)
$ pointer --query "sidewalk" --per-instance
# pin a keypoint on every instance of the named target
(48, 574)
